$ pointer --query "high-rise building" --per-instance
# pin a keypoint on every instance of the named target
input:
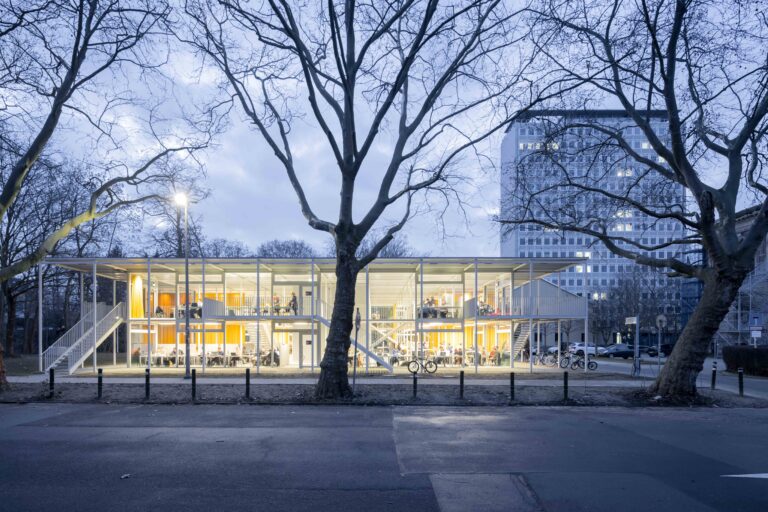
(541, 151)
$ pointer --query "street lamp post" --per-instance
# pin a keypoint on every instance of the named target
(181, 200)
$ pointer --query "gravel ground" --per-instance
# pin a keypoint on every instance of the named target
(380, 394)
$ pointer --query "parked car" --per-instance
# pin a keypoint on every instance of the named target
(618, 350)
(578, 349)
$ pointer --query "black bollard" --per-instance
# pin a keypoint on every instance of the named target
(714, 373)
(461, 384)
(99, 382)
(146, 384)
(414, 385)
(51, 379)
(565, 385)
(741, 381)
(194, 384)
(247, 383)
(511, 386)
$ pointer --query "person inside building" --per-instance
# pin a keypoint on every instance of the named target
(293, 304)
(494, 356)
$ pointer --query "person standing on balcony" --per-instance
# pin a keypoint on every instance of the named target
(293, 304)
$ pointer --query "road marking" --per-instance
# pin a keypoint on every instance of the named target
(748, 475)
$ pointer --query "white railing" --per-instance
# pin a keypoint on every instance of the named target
(105, 325)
(61, 346)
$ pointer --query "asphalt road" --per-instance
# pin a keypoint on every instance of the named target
(115, 458)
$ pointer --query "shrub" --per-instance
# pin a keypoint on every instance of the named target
(753, 360)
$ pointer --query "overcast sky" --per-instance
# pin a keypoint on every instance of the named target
(252, 200)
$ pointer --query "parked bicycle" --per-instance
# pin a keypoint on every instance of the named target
(578, 363)
(428, 366)
(564, 361)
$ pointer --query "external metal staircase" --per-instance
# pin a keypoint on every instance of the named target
(521, 336)
(361, 348)
(70, 351)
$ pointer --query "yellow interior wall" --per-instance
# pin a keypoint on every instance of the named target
(137, 297)
(234, 333)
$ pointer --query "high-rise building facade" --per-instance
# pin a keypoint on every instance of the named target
(542, 152)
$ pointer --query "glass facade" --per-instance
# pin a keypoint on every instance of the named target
(274, 315)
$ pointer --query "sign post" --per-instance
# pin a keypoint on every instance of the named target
(633, 320)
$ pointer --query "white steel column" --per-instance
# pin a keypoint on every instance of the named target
(416, 311)
(258, 316)
(538, 315)
(82, 296)
(128, 313)
(464, 317)
(586, 321)
(114, 333)
(367, 319)
(204, 315)
(477, 310)
(559, 315)
(312, 311)
(272, 321)
(421, 305)
(149, 314)
(511, 322)
(530, 316)
(176, 308)
(95, 316)
(40, 315)
(224, 322)
(538, 338)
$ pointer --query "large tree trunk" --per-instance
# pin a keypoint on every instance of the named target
(10, 325)
(678, 377)
(334, 382)
(3, 379)
(30, 327)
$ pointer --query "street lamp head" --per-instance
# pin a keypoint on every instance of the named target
(180, 199)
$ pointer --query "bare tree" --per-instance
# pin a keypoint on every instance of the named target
(167, 233)
(704, 65)
(223, 248)
(66, 60)
(285, 249)
(638, 293)
(430, 79)
(398, 247)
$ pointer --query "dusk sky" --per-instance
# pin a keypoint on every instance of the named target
(252, 200)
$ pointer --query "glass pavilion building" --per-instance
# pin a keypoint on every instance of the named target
(274, 314)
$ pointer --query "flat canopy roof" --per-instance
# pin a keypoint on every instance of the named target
(117, 268)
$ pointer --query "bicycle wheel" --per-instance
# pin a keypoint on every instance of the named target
(413, 367)
(592, 365)
(564, 362)
(430, 366)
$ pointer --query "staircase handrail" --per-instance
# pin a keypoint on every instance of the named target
(103, 327)
(61, 347)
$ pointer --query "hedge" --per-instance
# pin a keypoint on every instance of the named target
(753, 360)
